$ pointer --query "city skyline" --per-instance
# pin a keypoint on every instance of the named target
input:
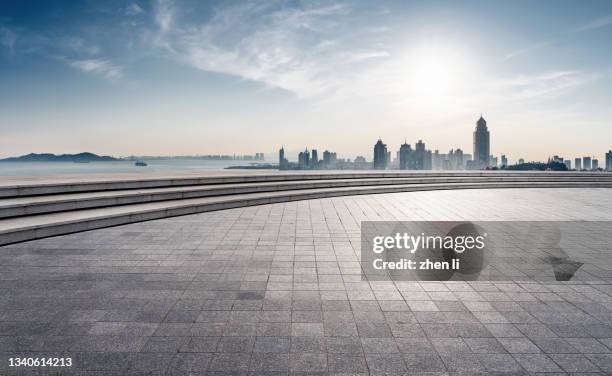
(421, 158)
(176, 78)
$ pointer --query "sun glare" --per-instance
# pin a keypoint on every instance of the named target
(433, 75)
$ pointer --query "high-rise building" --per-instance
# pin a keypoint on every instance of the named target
(380, 155)
(329, 159)
(458, 161)
(609, 161)
(422, 157)
(492, 161)
(405, 155)
(578, 164)
(314, 160)
(568, 164)
(586, 163)
(594, 164)
(282, 161)
(481, 144)
(304, 160)
(504, 161)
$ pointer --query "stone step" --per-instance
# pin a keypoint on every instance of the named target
(24, 187)
(29, 205)
(31, 227)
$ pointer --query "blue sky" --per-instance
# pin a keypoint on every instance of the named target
(193, 77)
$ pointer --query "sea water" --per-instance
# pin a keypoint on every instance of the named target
(154, 165)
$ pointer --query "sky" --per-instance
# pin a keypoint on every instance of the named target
(170, 77)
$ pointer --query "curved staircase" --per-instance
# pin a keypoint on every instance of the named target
(34, 211)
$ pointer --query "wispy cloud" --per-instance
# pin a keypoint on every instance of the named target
(101, 67)
(545, 85)
(525, 50)
(8, 38)
(597, 23)
(299, 49)
(133, 9)
(164, 14)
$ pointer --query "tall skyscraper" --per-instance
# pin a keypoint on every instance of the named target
(282, 161)
(314, 160)
(481, 144)
(586, 163)
(578, 164)
(422, 156)
(304, 160)
(609, 161)
(504, 161)
(380, 155)
(594, 164)
(405, 157)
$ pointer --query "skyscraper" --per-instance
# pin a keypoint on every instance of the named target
(504, 161)
(481, 144)
(586, 163)
(314, 160)
(405, 157)
(282, 161)
(304, 160)
(578, 164)
(609, 161)
(422, 157)
(380, 155)
(594, 164)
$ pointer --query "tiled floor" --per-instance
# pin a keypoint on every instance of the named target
(277, 289)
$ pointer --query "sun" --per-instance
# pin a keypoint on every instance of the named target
(433, 74)
(432, 77)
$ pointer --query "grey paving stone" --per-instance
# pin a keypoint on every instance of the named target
(269, 362)
(346, 363)
(463, 363)
(308, 344)
(235, 344)
(345, 345)
(379, 345)
(230, 362)
(277, 290)
(200, 344)
(387, 363)
(424, 362)
(537, 363)
(164, 344)
(499, 363)
(308, 362)
(574, 363)
(272, 345)
(519, 345)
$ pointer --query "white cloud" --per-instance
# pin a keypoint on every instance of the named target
(7, 38)
(133, 9)
(301, 50)
(101, 67)
(164, 14)
(545, 85)
(595, 24)
(522, 51)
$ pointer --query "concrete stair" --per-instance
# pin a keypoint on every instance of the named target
(40, 210)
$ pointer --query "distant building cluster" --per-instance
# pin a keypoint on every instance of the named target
(420, 158)
(309, 160)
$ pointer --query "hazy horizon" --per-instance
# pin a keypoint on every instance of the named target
(187, 77)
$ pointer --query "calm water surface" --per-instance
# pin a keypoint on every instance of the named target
(44, 168)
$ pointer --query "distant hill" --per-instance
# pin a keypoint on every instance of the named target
(48, 157)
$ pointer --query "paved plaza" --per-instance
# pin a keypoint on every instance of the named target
(277, 290)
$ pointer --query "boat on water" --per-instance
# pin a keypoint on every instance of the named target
(140, 163)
